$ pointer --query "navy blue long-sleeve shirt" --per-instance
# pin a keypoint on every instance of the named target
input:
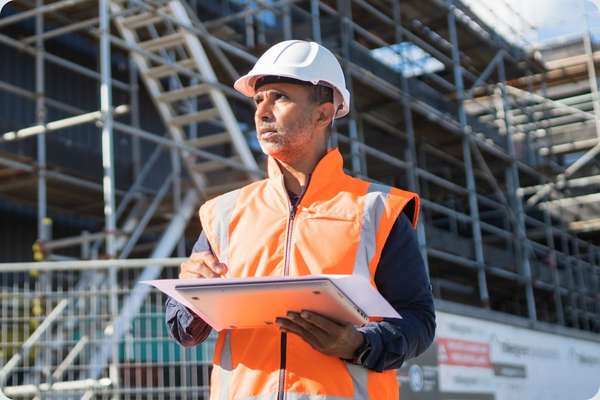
(402, 280)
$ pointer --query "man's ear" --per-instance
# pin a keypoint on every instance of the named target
(325, 113)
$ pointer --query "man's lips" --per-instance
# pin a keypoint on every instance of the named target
(266, 134)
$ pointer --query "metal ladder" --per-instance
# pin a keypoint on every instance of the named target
(178, 75)
(197, 114)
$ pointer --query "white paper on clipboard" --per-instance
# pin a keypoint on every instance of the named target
(357, 289)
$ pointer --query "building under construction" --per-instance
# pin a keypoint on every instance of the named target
(118, 119)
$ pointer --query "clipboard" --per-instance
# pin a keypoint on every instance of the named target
(245, 303)
(258, 304)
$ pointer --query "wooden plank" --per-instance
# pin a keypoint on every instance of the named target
(163, 42)
(141, 20)
(210, 140)
(166, 70)
(184, 93)
(192, 118)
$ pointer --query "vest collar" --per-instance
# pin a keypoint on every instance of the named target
(327, 173)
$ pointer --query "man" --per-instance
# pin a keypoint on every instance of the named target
(309, 217)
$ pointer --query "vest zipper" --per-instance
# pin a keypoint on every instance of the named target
(286, 271)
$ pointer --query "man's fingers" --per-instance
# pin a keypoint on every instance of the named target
(201, 256)
(197, 270)
(320, 334)
(196, 275)
(188, 275)
(322, 322)
(204, 270)
(205, 264)
(221, 268)
(205, 257)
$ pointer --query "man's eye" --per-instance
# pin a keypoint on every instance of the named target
(279, 96)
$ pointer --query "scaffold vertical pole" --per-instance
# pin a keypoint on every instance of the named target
(40, 105)
(287, 22)
(43, 230)
(315, 20)
(249, 22)
(513, 184)
(466, 150)
(134, 105)
(347, 33)
(591, 67)
(574, 319)
(109, 180)
(177, 195)
(596, 278)
(553, 259)
(410, 153)
(529, 151)
(581, 286)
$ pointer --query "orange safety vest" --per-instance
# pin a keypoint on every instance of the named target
(339, 226)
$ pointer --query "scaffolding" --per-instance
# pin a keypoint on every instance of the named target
(472, 123)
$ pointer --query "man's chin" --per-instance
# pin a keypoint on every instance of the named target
(272, 149)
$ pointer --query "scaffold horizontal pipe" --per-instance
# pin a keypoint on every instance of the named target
(53, 126)
(74, 240)
(32, 390)
(82, 265)
(59, 5)
(63, 30)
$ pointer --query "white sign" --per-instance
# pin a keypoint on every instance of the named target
(481, 356)
(480, 360)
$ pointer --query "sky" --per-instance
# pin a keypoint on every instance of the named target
(537, 21)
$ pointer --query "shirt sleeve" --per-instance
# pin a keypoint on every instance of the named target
(402, 279)
(183, 325)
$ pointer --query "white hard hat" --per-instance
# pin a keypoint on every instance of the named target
(301, 60)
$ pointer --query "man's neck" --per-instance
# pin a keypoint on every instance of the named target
(296, 173)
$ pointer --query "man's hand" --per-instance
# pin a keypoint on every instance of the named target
(323, 334)
(202, 264)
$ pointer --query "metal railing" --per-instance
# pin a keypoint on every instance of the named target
(50, 331)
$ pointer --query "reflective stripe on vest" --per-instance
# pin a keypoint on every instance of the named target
(374, 208)
(226, 368)
(223, 210)
(360, 377)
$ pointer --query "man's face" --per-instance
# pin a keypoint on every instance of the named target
(285, 120)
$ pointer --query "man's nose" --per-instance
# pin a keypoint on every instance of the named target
(264, 111)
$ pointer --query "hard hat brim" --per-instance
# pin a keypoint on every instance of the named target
(245, 85)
